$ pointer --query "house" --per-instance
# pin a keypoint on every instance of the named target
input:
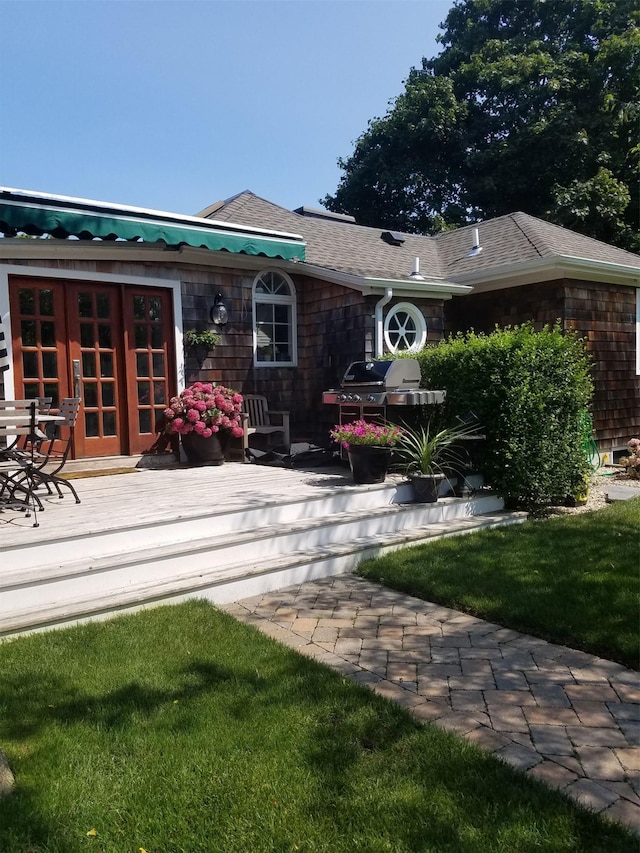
(101, 307)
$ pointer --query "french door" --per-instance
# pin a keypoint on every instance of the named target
(109, 344)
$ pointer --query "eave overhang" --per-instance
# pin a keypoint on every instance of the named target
(372, 286)
(63, 217)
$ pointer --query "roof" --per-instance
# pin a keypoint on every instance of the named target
(64, 216)
(507, 241)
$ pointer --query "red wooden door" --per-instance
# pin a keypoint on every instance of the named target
(109, 344)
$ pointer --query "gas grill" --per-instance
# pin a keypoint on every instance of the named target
(368, 387)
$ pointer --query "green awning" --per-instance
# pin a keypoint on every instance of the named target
(63, 222)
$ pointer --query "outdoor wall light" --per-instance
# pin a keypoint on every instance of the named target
(219, 314)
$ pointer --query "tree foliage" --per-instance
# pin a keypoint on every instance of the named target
(531, 105)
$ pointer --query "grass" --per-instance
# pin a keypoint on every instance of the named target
(179, 730)
(572, 580)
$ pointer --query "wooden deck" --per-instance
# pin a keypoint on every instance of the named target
(148, 536)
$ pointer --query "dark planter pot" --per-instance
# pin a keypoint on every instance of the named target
(425, 487)
(205, 451)
(369, 463)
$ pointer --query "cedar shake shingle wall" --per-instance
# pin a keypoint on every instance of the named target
(602, 313)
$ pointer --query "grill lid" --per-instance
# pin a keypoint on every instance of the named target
(400, 373)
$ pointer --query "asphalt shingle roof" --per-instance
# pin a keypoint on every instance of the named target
(360, 250)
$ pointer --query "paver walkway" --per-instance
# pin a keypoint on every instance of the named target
(562, 716)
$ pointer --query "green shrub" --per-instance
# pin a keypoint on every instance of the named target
(530, 391)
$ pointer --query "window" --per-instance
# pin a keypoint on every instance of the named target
(274, 320)
(405, 329)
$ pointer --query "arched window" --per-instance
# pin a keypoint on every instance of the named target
(274, 320)
(405, 329)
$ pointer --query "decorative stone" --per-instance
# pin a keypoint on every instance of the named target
(7, 779)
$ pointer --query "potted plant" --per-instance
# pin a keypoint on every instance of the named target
(205, 416)
(368, 447)
(201, 342)
(427, 454)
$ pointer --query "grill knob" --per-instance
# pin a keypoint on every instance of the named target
(371, 398)
(356, 398)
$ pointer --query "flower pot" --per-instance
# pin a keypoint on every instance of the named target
(368, 463)
(425, 487)
(205, 451)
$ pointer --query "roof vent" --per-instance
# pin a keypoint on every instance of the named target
(393, 238)
(317, 213)
(476, 248)
(415, 272)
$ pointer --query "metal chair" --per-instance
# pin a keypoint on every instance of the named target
(54, 453)
(17, 483)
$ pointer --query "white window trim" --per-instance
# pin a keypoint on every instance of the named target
(274, 299)
(637, 331)
(417, 316)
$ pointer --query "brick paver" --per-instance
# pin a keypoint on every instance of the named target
(567, 718)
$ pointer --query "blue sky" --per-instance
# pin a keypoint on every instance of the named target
(174, 104)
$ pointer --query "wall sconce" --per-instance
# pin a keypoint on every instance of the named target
(219, 314)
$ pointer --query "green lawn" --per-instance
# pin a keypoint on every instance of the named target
(573, 580)
(179, 730)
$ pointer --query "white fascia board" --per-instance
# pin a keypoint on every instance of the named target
(132, 212)
(547, 269)
(369, 286)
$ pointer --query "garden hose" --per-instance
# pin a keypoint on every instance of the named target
(591, 448)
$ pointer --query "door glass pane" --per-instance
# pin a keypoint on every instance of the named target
(90, 394)
(26, 299)
(104, 336)
(28, 332)
(108, 397)
(143, 393)
(103, 306)
(144, 420)
(109, 423)
(31, 390)
(91, 424)
(30, 364)
(47, 333)
(141, 336)
(159, 393)
(46, 302)
(142, 364)
(89, 364)
(49, 364)
(106, 364)
(158, 364)
(85, 308)
(86, 335)
(155, 308)
(156, 337)
(138, 308)
(52, 390)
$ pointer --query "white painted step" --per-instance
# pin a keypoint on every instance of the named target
(222, 583)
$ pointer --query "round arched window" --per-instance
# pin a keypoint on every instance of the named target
(405, 329)
(274, 319)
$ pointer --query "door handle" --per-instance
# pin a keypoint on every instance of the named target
(76, 377)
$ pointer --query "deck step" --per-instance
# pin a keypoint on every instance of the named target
(235, 579)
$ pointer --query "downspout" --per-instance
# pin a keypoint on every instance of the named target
(378, 315)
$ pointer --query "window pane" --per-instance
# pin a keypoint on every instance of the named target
(90, 394)
(155, 308)
(156, 337)
(264, 313)
(47, 333)
(30, 364)
(281, 313)
(158, 364)
(141, 336)
(26, 299)
(46, 302)
(104, 335)
(31, 390)
(108, 396)
(52, 390)
(103, 305)
(91, 424)
(159, 393)
(86, 335)
(109, 423)
(89, 364)
(85, 308)
(144, 393)
(106, 364)
(142, 364)
(138, 308)
(144, 420)
(28, 332)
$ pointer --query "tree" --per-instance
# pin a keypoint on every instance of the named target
(532, 105)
